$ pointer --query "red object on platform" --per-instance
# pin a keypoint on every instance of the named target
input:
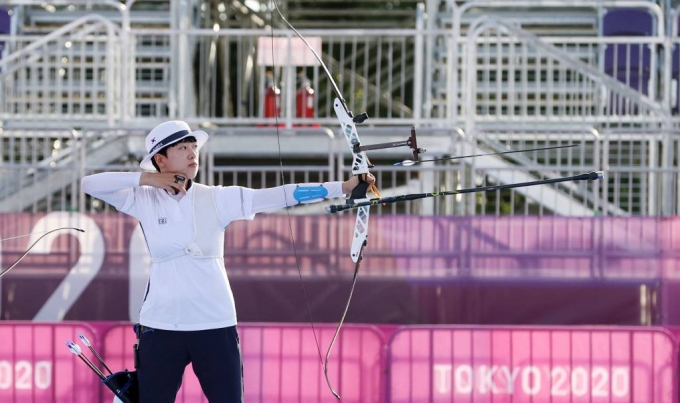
(272, 102)
(305, 101)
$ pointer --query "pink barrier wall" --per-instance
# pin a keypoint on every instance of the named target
(282, 363)
(487, 364)
(424, 364)
(36, 366)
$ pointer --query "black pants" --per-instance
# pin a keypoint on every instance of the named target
(214, 354)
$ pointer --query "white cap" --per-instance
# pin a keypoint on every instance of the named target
(168, 133)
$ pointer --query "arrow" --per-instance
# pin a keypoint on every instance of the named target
(73, 347)
(408, 163)
(88, 345)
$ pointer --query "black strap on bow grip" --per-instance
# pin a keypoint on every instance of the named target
(359, 192)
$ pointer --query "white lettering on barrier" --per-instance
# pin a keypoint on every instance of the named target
(531, 380)
(463, 378)
(559, 381)
(579, 381)
(6, 374)
(486, 383)
(620, 381)
(43, 375)
(25, 375)
(442, 378)
(510, 377)
(598, 381)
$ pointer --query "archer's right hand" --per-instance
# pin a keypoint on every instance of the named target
(168, 181)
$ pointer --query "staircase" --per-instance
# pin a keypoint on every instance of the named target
(50, 166)
(71, 74)
(71, 70)
(567, 198)
(554, 20)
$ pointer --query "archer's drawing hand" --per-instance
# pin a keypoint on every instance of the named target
(171, 182)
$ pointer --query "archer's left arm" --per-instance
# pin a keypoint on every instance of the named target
(241, 203)
(279, 197)
(290, 195)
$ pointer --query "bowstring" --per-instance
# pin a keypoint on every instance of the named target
(283, 182)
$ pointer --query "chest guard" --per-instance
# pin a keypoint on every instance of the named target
(208, 234)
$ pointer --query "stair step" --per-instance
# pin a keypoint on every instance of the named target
(146, 18)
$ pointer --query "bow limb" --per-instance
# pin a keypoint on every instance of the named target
(21, 236)
(328, 73)
(342, 320)
(16, 262)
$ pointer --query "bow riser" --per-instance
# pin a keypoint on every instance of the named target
(359, 167)
(349, 130)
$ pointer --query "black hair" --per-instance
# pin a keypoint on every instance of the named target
(164, 151)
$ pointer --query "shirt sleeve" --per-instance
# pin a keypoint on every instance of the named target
(241, 203)
(284, 196)
(234, 203)
(115, 188)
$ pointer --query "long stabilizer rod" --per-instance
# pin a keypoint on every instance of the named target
(590, 176)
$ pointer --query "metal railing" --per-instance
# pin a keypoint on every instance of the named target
(388, 73)
(523, 79)
(72, 73)
(640, 175)
(624, 89)
(375, 70)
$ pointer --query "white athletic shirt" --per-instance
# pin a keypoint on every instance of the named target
(186, 293)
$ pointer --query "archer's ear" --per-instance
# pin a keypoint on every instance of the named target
(160, 159)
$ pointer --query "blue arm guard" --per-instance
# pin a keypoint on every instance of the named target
(304, 194)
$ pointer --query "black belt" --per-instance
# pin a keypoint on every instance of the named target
(141, 329)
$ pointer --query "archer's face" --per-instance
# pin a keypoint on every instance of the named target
(182, 158)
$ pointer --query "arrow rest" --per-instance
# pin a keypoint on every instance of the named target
(360, 118)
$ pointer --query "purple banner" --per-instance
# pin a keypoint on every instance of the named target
(105, 269)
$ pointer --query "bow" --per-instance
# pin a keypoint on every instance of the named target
(16, 262)
(360, 168)
(358, 198)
